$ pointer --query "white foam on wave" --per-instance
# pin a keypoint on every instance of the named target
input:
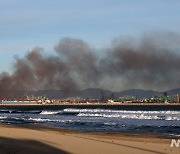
(119, 111)
(175, 135)
(110, 124)
(47, 120)
(16, 118)
(172, 118)
(38, 119)
(4, 110)
(50, 112)
(4, 117)
(129, 116)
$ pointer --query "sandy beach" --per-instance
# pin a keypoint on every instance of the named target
(37, 140)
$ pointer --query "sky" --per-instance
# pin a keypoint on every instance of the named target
(25, 24)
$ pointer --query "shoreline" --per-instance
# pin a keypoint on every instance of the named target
(96, 133)
(96, 104)
(141, 134)
(18, 139)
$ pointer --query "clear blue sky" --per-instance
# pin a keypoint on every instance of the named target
(25, 24)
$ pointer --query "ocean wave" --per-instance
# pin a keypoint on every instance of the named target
(38, 119)
(48, 120)
(50, 112)
(60, 112)
(110, 124)
(172, 118)
(20, 111)
(118, 111)
(129, 116)
(28, 112)
(6, 111)
(3, 117)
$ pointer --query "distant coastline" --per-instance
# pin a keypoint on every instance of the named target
(97, 104)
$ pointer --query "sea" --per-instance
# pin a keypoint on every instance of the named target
(158, 119)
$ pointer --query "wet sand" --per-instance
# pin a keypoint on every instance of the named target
(39, 139)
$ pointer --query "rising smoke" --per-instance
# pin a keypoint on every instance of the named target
(151, 62)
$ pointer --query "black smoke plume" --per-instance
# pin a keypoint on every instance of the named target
(151, 62)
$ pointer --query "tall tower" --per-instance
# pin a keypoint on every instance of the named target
(178, 98)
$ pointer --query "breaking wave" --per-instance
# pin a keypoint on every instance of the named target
(129, 116)
(50, 112)
(120, 111)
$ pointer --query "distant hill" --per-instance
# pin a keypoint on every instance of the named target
(173, 91)
(137, 93)
(88, 93)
